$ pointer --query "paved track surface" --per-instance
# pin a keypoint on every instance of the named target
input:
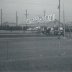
(36, 54)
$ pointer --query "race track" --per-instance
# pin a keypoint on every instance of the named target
(35, 54)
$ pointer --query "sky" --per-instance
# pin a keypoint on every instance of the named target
(35, 8)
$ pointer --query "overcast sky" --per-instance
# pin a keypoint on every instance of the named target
(34, 7)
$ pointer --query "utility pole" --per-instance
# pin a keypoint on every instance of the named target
(64, 19)
(16, 18)
(59, 18)
(59, 26)
(26, 14)
(59, 14)
(44, 16)
(44, 13)
(1, 17)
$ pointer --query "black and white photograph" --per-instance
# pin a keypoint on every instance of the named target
(35, 35)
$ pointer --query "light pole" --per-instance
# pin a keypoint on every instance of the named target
(64, 19)
(1, 17)
(26, 16)
(16, 18)
(59, 19)
(59, 25)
